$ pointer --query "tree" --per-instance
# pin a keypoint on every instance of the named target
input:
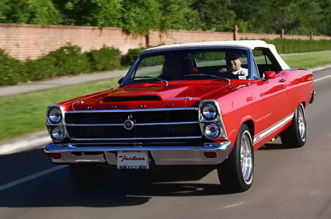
(323, 24)
(215, 15)
(102, 13)
(43, 12)
(140, 16)
(4, 9)
(29, 12)
(178, 15)
(295, 16)
(14, 11)
(109, 13)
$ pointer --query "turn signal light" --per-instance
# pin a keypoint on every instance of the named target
(55, 156)
(210, 154)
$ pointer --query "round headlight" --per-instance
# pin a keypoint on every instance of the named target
(209, 111)
(54, 115)
(57, 133)
(212, 130)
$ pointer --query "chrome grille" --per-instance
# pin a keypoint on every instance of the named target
(148, 124)
(139, 117)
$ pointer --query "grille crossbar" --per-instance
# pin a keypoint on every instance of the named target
(109, 125)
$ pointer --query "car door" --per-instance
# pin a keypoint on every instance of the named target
(273, 93)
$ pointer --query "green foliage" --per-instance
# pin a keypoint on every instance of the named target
(245, 26)
(294, 16)
(14, 11)
(101, 13)
(108, 14)
(105, 58)
(41, 68)
(206, 56)
(297, 46)
(323, 25)
(70, 60)
(178, 15)
(140, 16)
(41, 12)
(132, 54)
(152, 61)
(214, 15)
(11, 70)
(4, 9)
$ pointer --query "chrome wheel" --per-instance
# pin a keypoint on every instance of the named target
(237, 172)
(246, 158)
(301, 124)
(295, 135)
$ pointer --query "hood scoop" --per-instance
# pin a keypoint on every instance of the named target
(132, 98)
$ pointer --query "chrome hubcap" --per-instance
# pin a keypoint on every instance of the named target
(301, 124)
(246, 159)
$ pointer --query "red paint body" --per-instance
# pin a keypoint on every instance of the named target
(262, 102)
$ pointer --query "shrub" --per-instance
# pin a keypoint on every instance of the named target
(298, 46)
(41, 68)
(132, 54)
(11, 70)
(104, 59)
(70, 60)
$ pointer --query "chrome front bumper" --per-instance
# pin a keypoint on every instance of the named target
(162, 155)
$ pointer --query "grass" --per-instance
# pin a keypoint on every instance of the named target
(25, 114)
(310, 60)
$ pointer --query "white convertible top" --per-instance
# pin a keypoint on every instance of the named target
(249, 44)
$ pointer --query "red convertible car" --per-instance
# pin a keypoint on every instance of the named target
(207, 104)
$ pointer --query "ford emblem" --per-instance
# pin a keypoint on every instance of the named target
(129, 123)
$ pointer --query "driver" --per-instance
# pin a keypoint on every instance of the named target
(233, 64)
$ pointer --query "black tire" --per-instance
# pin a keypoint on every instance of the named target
(237, 172)
(295, 135)
(89, 176)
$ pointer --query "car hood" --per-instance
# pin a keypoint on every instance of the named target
(151, 95)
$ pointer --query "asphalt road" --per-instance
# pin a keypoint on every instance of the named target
(289, 183)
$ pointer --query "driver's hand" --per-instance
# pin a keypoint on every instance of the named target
(223, 70)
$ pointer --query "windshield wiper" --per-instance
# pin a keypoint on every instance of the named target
(156, 78)
(208, 75)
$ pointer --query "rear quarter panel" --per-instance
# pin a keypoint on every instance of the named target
(300, 87)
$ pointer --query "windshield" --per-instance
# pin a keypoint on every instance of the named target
(199, 64)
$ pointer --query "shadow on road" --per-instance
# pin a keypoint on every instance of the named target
(274, 146)
(128, 189)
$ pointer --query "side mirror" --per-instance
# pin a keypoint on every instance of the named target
(120, 81)
(269, 75)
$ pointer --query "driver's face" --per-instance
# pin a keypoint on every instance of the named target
(233, 62)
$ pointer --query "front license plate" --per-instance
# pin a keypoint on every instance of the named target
(132, 160)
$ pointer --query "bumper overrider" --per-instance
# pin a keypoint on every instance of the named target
(160, 155)
(313, 96)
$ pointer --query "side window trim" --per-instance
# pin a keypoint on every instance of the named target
(253, 66)
(274, 65)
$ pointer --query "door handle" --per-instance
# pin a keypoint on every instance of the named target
(282, 80)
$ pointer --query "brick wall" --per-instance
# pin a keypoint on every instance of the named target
(32, 41)
(183, 36)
